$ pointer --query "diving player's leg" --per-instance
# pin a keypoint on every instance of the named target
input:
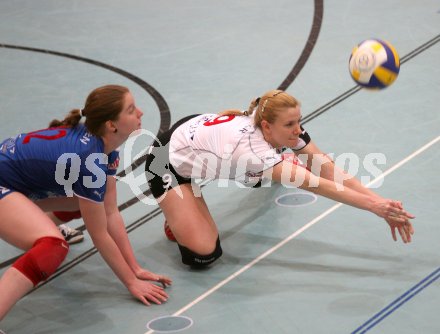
(187, 217)
(192, 225)
(201, 204)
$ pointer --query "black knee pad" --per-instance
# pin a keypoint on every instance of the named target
(199, 261)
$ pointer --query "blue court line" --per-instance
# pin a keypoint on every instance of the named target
(431, 278)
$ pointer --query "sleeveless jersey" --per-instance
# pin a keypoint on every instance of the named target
(55, 162)
(211, 147)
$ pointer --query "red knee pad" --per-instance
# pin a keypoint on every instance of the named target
(43, 259)
(169, 234)
(67, 216)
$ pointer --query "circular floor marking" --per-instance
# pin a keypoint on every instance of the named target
(296, 199)
(170, 324)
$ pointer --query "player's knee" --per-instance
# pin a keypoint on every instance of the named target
(195, 260)
(43, 259)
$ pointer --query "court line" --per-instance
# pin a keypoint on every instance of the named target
(164, 110)
(318, 13)
(298, 232)
(385, 312)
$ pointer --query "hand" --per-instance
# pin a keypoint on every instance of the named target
(146, 292)
(149, 276)
(405, 228)
(387, 208)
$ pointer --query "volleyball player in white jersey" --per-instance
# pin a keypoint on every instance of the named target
(247, 147)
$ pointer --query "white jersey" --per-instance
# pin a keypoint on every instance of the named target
(210, 146)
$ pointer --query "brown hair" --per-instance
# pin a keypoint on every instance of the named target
(103, 104)
(267, 107)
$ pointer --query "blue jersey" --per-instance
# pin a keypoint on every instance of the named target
(56, 162)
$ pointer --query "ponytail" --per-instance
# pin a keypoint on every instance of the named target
(272, 103)
(230, 112)
(103, 104)
(71, 120)
(237, 112)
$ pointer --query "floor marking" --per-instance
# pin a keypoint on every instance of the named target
(385, 312)
(169, 324)
(296, 199)
(298, 232)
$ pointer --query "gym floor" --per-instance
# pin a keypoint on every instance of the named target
(312, 267)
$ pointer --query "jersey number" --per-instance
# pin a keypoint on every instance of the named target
(61, 133)
(219, 120)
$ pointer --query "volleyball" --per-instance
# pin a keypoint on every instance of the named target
(374, 64)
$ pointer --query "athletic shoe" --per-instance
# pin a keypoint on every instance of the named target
(71, 235)
(168, 233)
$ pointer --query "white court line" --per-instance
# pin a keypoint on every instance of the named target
(298, 232)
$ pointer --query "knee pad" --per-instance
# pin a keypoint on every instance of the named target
(67, 216)
(199, 261)
(43, 259)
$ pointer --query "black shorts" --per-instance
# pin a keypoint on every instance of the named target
(161, 175)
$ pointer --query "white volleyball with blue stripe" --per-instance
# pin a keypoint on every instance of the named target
(374, 64)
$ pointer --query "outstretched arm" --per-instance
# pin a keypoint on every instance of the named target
(322, 165)
(293, 175)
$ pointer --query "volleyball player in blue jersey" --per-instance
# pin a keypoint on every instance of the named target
(70, 166)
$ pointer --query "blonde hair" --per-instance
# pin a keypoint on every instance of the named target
(266, 107)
